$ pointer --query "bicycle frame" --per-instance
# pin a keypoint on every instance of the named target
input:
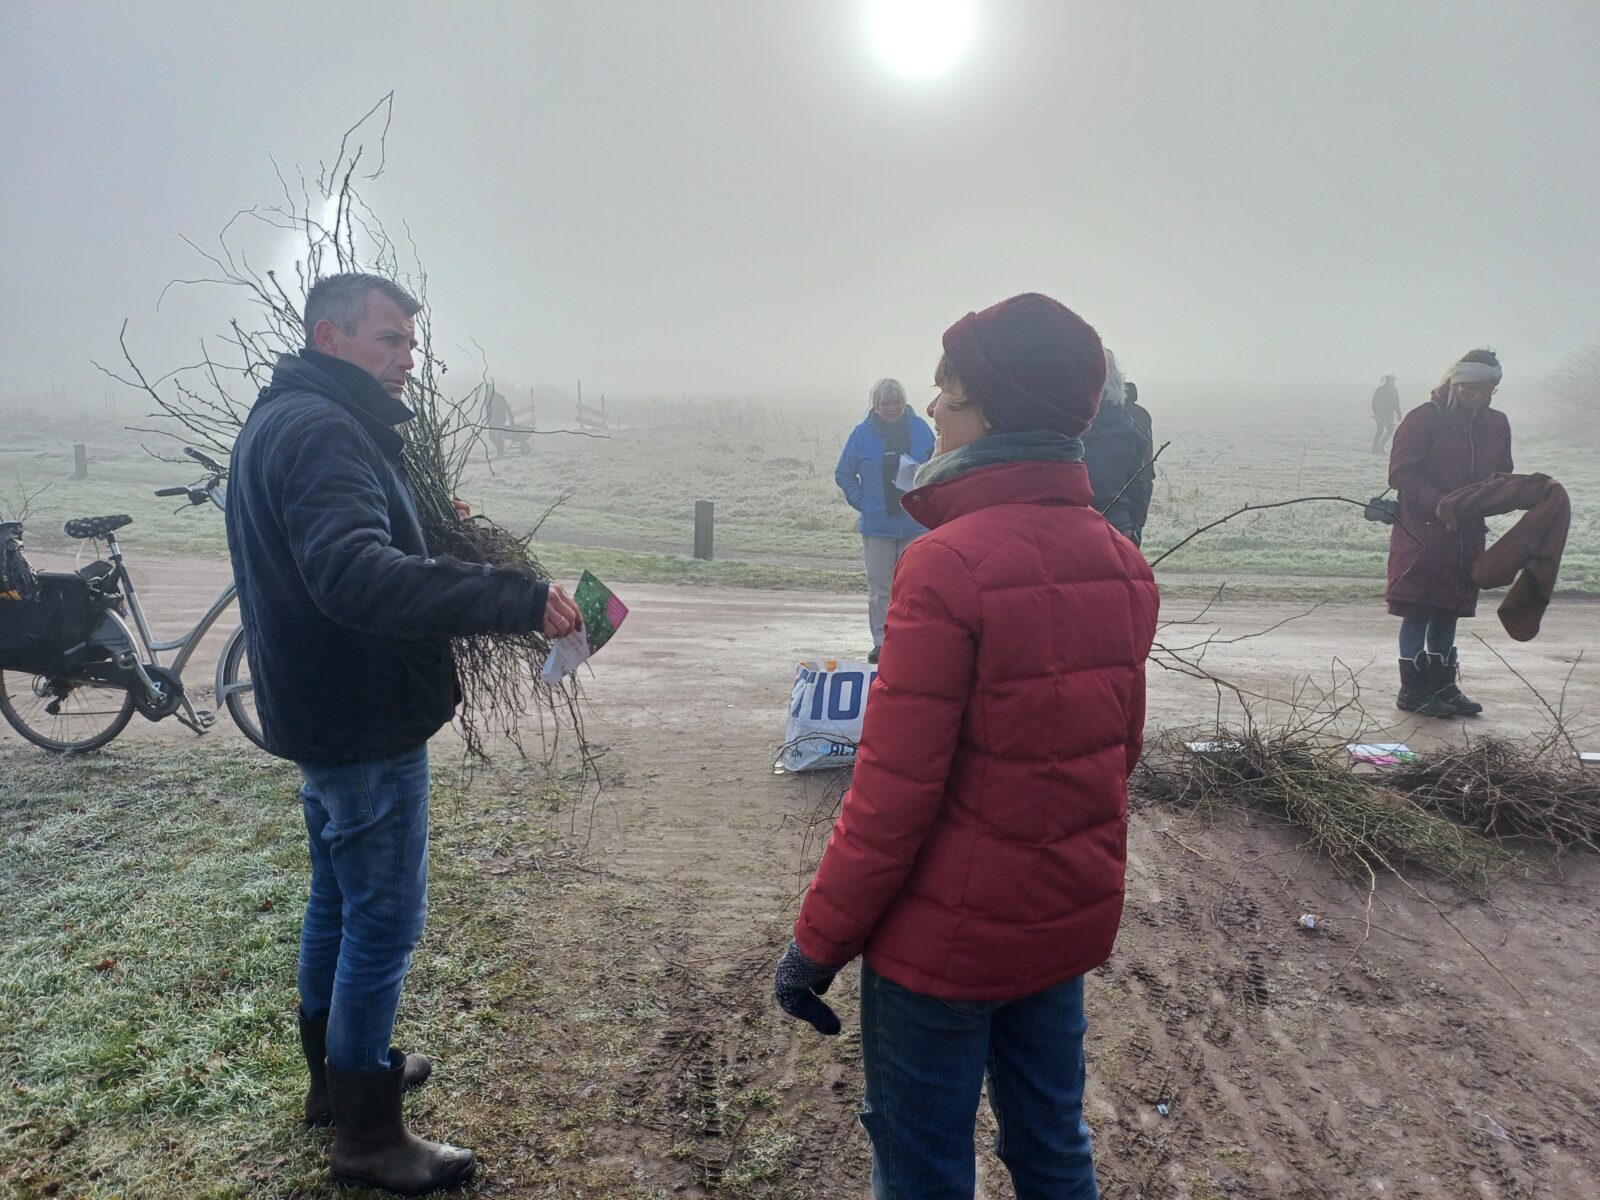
(113, 633)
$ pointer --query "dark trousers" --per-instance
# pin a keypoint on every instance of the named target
(926, 1064)
(1433, 634)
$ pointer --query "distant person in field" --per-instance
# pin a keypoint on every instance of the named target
(349, 620)
(977, 863)
(866, 474)
(1453, 440)
(1147, 478)
(497, 419)
(1385, 413)
(1116, 449)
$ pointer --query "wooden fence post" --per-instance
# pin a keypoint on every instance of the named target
(702, 529)
(80, 461)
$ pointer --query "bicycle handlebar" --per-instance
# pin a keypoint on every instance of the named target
(172, 491)
(209, 463)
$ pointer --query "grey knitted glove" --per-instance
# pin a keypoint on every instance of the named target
(798, 984)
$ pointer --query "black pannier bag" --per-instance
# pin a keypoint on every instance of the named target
(48, 635)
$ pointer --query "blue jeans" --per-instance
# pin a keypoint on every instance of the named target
(926, 1061)
(368, 824)
(1435, 634)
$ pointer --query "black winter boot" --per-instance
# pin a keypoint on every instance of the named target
(372, 1146)
(314, 1042)
(1449, 670)
(1418, 688)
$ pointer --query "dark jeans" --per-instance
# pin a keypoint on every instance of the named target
(1434, 634)
(368, 824)
(926, 1061)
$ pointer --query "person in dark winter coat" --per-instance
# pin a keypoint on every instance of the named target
(349, 622)
(1144, 488)
(498, 420)
(978, 858)
(1385, 412)
(1117, 451)
(868, 467)
(1453, 440)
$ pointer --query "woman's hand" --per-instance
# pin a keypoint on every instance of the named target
(799, 983)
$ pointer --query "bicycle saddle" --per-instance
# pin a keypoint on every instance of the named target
(96, 527)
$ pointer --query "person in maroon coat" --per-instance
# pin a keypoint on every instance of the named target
(977, 862)
(1453, 440)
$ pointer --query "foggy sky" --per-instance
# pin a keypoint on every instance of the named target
(737, 198)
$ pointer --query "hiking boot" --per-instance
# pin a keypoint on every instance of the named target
(1419, 690)
(872, 655)
(1448, 670)
(314, 1041)
(372, 1146)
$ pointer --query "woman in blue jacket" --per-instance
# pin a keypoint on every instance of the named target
(866, 475)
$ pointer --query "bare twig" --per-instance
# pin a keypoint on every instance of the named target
(1253, 507)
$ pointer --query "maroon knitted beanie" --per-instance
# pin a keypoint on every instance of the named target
(1031, 362)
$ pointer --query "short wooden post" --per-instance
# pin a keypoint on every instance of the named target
(80, 461)
(702, 529)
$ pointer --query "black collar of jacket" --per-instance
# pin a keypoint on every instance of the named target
(350, 387)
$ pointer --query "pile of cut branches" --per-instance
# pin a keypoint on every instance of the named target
(333, 230)
(1506, 789)
(1357, 821)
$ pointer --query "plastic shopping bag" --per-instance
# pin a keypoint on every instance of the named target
(826, 709)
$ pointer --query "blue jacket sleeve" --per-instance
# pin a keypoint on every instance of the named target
(847, 473)
(336, 518)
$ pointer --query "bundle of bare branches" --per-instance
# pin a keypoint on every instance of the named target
(1506, 789)
(1360, 823)
(333, 230)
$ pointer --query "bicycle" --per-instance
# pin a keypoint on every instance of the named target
(88, 697)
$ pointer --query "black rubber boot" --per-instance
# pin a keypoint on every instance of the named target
(1449, 670)
(1419, 690)
(314, 1042)
(372, 1146)
(872, 655)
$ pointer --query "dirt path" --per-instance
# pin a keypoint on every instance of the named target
(1451, 1051)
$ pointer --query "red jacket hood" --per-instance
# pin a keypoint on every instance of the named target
(1004, 483)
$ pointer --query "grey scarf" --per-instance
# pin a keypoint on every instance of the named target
(1030, 445)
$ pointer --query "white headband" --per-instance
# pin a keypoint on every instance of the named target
(1474, 372)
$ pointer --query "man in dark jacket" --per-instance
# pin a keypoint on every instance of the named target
(1117, 452)
(1144, 487)
(1385, 413)
(349, 623)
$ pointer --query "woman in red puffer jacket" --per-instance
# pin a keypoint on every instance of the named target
(978, 859)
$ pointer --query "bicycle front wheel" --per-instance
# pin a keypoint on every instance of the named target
(62, 713)
(236, 690)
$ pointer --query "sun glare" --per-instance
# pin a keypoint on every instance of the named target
(919, 39)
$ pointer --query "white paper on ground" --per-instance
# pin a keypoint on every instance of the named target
(1212, 747)
(1381, 754)
(1589, 756)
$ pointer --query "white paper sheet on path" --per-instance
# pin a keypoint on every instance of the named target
(1382, 754)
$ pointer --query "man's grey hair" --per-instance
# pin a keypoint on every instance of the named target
(1113, 391)
(342, 299)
